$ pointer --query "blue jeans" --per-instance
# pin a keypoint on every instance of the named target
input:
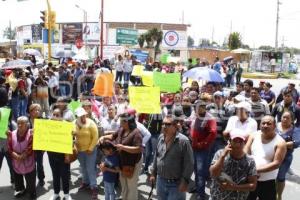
(88, 167)
(201, 168)
(15, 107)
(150, 150)
(62, 90)
(23, 102)
(109, 191)
(126, 77)
(168, 191)
(284, 168)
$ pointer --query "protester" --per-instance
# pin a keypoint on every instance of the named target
(35, 113)
(86, 134)
(172, 179)
(234, 172)
(239, 72)
(220, 113)
(66, 113)
(241, 120)
(286, 130)
(259, 107)
(268, 150)
(110, 168)
(248, 84)
(287, 104)
(268, 95)
(20, 148)
(119, 67)
(203, 134)
(154, 124)
(41, 91)
(128, 142)
(60, 168)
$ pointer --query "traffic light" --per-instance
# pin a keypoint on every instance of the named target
(52, 19)
(44, 19)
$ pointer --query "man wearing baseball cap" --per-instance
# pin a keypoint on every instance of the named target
(233, 172)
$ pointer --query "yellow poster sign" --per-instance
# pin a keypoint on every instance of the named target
(145, 99)
(54, 136)
(137, 70)
(147, 78)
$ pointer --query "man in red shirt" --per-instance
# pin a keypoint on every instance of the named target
(203, 134)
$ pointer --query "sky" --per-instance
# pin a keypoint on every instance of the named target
(211, 19)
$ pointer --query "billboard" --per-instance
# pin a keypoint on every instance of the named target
(36, 33)
(174, 39)
(71, 32)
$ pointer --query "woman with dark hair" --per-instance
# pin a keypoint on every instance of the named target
(128, 141)
(268, 95)
(286, 130)
(60, 167)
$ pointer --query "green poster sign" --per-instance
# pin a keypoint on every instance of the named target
(168, 82)
(73, 105)
(4, 117)
(127, 36)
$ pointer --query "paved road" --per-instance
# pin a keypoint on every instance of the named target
(292, 191)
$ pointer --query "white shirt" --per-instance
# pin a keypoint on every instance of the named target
(119, 66)
(263, 154)
(29, 84)
(128, 66)
(144, 131)
(53, 81)
(110, 124)
(248, 127)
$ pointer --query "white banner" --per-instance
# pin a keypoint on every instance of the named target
(91, 33)
(174, 39)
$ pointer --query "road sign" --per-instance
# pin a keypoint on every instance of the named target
(127, 36)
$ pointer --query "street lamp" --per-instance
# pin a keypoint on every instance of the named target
(85, 22)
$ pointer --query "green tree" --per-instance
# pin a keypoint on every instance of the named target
(153, 38)
(234, 40)
(9, 33)
(141, 40)
(191, 41)
(266, 47)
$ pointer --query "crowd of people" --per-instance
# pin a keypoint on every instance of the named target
(239, 142)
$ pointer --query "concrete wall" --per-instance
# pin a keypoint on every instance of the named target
(210, 55)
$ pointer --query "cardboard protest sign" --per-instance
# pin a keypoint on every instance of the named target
(168, 82)
(137, 70)
(145, 99)
(73, 105)
(147, 78)
(54, 136)
(4, 117)
(104, 85)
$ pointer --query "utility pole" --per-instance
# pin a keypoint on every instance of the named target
(101, 24)
(277, 24)
(182, 17)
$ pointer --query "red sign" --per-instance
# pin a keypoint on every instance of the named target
(79, 43)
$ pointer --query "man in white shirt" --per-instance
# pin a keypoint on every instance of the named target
(241, 120)
(268, 150)
(53, 86)
(111, 123)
